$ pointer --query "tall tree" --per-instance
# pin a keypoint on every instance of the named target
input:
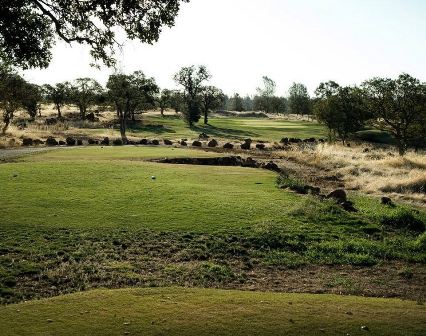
(177, 100)
(298, 99)
(192, 79)
(58, 95)
(29, 28)
(341, 109)
(84, 93)
(211, 98)
(164, 100)
(398, 105)
(12, 92)
(265, 94)
(31, 99)
(131, 94)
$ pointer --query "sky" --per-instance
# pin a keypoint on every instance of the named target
(306, 41)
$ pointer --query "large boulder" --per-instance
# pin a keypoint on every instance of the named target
(260, 146)
(155, 142)
(91, 117)
(70, 141)
(168, 142)
(143, 142)
(213, 143)
(27, 142)
(117, 142)
(197, 143)
(51, 121)
(183, 143)
(62, 143)
(386, 200)
(51, 141)
(38, 142)
(246, 145)
(79, 142)
(339, 195)
(271, 166)
(91, 141)
(105, 141)
(284, 141)
(228, 146)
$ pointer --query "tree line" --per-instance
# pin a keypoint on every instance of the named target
(397, 106)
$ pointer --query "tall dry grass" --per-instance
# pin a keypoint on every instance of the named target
(379, 171)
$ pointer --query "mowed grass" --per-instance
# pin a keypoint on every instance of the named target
(75, 219)
(171, 127)
(177, 311)
(111, 187)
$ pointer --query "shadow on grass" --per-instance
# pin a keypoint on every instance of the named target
(157, 129)
(223, 132)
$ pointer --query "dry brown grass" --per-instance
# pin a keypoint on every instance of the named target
(376, 171)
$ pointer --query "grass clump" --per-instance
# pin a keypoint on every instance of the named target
(286, 182)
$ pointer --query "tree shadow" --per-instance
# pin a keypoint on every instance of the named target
(223, 132)
(157, 129)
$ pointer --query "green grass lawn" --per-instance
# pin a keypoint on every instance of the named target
(73, 219)
(227, 128)
(177, 311)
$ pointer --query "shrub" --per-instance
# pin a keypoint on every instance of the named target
(421, 242)
(403, 219)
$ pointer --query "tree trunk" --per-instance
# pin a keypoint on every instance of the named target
(206, 117)
(162, 111)
(123, 128)
(7, 117)
(59, 111)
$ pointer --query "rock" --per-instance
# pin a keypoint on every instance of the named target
(228, 146)
(213, 143)
(91, 117)
(271, 166)
(348, 206)
(117, 142)
(51, 121)
(38, 142)
(310, 140)
(386, 200)
(196, 144)
(183, 143)
(365, 328)
(168, 142)
(131, 142)
(284, 141)
(70, 141)
(91, 141)
(348, 144)
(51, 141)
(260, 146)
(155, 142)
(366, 150)
(338, 194)
(249, 162)
(313, 190)
(27, 142)
(203, 136)
(79, 142)
(246, 145)
(62, 143)
(294, 140)
(143, 142)
(105, 141)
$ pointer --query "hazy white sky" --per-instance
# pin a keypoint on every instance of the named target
(239, 41)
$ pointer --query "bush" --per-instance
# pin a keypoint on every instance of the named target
(403, 219)
(421, 242)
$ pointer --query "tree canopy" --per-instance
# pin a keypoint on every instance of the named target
(29, 28)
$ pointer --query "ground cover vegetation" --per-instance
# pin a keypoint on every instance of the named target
(208, 226)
